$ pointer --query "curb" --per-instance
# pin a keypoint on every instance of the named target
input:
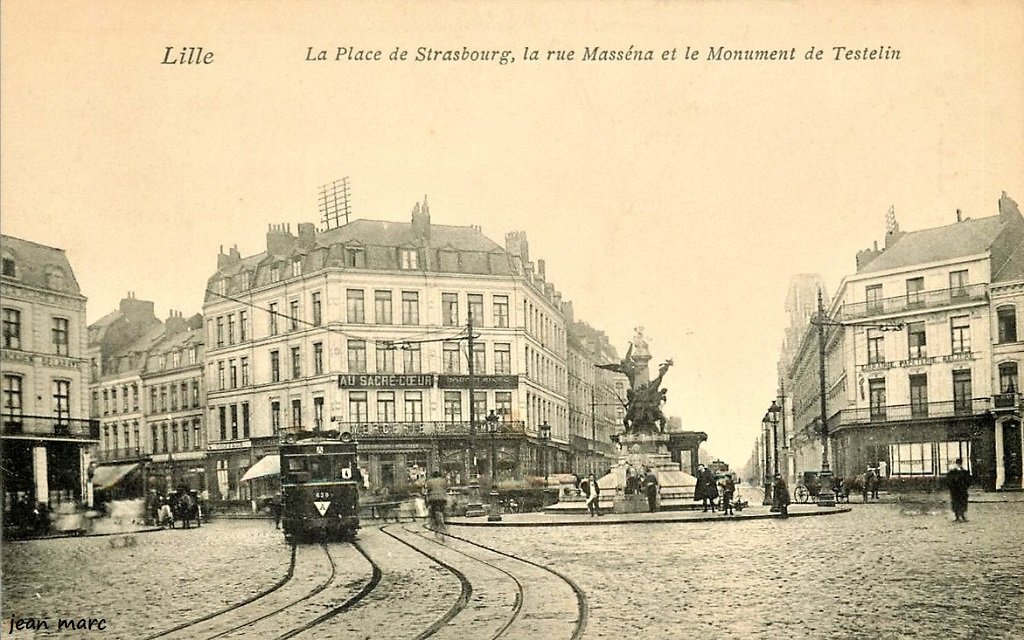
(61, 536)
(593, 523)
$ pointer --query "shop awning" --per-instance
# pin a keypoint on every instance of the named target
(109, 475)
(267, 466)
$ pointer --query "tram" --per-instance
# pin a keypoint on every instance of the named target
(320, 483)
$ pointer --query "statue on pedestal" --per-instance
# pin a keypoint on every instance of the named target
(643, 398)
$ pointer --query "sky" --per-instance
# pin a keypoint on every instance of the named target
(677, 195)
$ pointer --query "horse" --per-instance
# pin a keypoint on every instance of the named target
(186, 509)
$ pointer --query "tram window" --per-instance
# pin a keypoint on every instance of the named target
(296, 464)
(314, 466)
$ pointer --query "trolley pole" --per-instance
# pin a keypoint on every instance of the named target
(472, 403)
(825, 497)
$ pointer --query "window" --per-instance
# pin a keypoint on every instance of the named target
(62, 399)
(231, 329)
(479, 357)
(479, 405)
(318, 413)
(174, 436)
(408, 259)
(317, 314)
(919, 396)
(163, 394)
(233, 373)
(318, 358)
(503, 404)
(385, 358)
(355, 257)
(960, 338)
(382, 307)
(152, 400)
(243, 327)
(450, 309)
(357, 356)
(917, 340)
(950, 451)
(475, 301)
(184, 436)
(9, 268)
(165, 443)
(195, 393)
(958, 284)
(234, 422)
(60, 336)
(193, 354)
(962, 391)
(385, 406)
(451, 357)
(273, 318)
(357, 406)
(453, 406)
(296, 267)
(876, 398)
(911, 459)
(176, 359)
(135, 397)
(174, 397)
(12, 329)
(245, 419)
(356, 311)
(414, 406)
(220, 331)
(296, 363)
(275, 273)
(1006, 317)
(502, 358)
(873, 296)
(245, 371)
(297, 414)
(275, 416)
(500, 311)
(293, 311)
(915, 292)
(410, 307)
(113, 400)
(275, 366)
(223, 421)
(184, 395)
(1008, 382)
(220, 375)
(412, 361)
(876, 347)
(12, 400)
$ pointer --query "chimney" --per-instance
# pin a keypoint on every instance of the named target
(307, 235)
(1008, 209)
(175, 323)
(540, 269)
(421, 221)
(517, 245)
(280, 241)
(959, 216)
(227, 259)
(136, 309)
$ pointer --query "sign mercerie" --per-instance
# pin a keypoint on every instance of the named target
(479, 382)
(385, 380)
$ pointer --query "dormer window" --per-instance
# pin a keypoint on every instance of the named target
(220, 287)
(296, 267)
(9, 267)
(408, 259)
(275, 273)
(355, 257)
(55, 278)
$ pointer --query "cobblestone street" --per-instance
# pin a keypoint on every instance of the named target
(881, 571)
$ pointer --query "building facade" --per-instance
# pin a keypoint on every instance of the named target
(913, 356)
(47, 432)
(366, 328)
(596, 399)
(1006, 296)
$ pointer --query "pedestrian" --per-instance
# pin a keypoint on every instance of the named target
(275, 509)
(593, 495)
(651, 489)
(876, 479)
(710, 489)
(728, 491)
(865, 489)
(958, 479)
(781, 497)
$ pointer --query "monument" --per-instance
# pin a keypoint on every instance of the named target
(644, 441)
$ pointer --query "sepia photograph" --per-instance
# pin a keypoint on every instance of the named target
(521, 320)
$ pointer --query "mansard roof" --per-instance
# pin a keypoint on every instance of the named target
(400, 234)
(969, 237)
(34, 264)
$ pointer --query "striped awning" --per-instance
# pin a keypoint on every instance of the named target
(107, 476)
(267, 466)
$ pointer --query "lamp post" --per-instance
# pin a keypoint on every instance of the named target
(545, 437)
(772, 418)
(768, 481)
(492, 428)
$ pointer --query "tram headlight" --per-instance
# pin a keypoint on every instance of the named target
(345, 436)
(290, 438)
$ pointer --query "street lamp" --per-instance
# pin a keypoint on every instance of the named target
(772, 418)
(545, 437)
(768, 479)
(492, 428)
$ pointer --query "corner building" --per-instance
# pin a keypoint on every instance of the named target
(364, 328)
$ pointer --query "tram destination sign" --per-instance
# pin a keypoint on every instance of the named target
(385, 380)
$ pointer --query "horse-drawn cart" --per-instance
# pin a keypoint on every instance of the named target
(808, 488)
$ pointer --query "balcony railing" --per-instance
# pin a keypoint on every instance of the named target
(1006, 400)
(913, 301)
(123, 453)
(53, 426)
(919, 411)
(410, 429)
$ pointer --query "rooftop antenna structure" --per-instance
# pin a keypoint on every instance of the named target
(334, 204)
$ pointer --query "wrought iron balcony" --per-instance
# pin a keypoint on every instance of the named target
(51, 426)
(919, 411)
(1006, 401)
(914, 301)
(412, 429)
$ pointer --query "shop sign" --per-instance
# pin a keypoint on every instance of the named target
(385, 381)
(479, 382)
(227, 446)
